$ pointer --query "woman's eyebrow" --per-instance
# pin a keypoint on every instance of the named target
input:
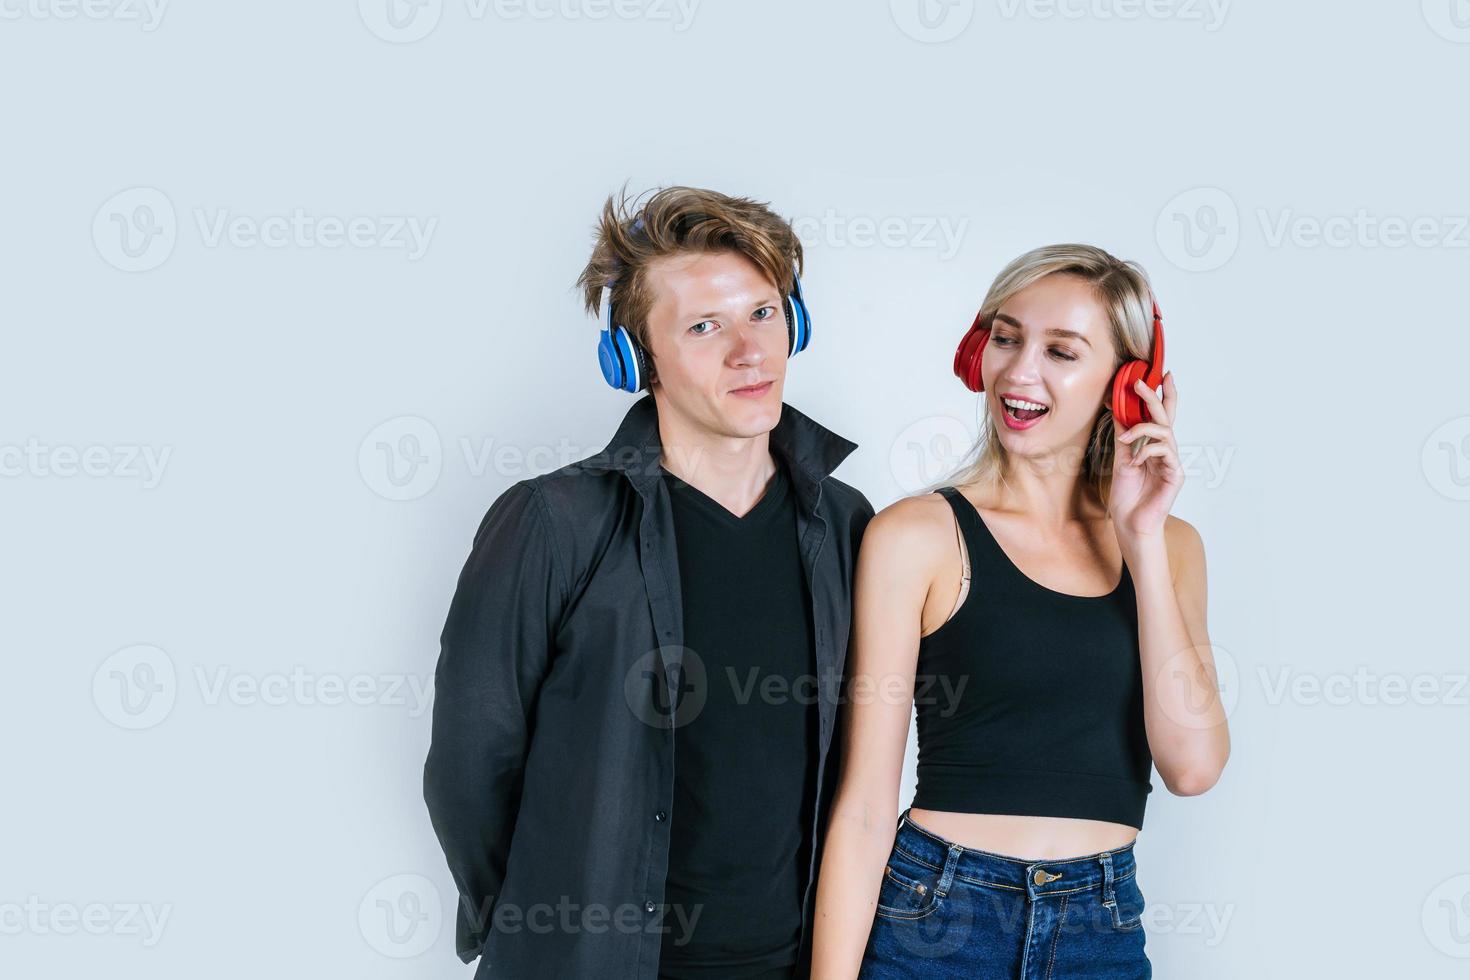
(1060, 332)
(1051, 331)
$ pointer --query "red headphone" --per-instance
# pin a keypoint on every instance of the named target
(1128, 405)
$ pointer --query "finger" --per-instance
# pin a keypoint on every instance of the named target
(1151, 429)
(1171, 397)
(1151, 399)
(1160, 451)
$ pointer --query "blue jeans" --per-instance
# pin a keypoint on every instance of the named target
(948, 911)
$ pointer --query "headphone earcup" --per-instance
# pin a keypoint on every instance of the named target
(796, 333)
(969, 356)
(798, 321)
(1128, 407)
(609, 360)
(639, 359)
(622, 361)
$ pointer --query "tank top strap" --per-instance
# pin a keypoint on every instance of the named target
(978, 540)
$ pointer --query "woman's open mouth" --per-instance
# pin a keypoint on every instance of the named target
(1020, 413)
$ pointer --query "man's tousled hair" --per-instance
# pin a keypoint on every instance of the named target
(633, 233)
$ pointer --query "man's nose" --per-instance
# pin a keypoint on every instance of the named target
(746, 348)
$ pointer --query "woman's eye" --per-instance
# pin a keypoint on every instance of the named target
(1003, 341)
(1062, 354)
(703, 323)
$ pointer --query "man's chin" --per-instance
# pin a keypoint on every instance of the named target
(754, 418)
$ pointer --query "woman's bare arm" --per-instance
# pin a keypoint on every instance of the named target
(893, 579)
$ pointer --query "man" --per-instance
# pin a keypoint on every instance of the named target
(636, 695)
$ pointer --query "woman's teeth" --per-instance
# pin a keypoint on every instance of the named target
(1023, 410)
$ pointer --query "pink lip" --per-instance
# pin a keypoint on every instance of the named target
(1016, 425)
(753, 391)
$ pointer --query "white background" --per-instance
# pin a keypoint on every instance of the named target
(213, 702)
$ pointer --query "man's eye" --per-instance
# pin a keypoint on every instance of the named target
(703, 323)
(765, 312)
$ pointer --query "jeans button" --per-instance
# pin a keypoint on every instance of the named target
(648, 906)
(659, 816)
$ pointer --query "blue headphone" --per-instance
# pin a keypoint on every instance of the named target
(625, 363)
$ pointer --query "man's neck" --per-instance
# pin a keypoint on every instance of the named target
(733, 470)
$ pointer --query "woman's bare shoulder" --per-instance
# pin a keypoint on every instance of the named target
(1185, 547)
(921, 527)
(1182, 535)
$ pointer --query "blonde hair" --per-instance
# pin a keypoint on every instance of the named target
(1124, 292)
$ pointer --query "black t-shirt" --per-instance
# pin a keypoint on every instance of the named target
(745, 763)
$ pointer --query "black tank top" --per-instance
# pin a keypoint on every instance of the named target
(1030, 701)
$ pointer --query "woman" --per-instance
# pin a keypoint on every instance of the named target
(1046, 692)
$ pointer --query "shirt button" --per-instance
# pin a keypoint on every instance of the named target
(648, 906)
(659, 816)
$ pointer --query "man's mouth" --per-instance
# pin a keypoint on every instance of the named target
(753, 391)
(1022, 410)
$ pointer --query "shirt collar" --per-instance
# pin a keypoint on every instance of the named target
(807, 448)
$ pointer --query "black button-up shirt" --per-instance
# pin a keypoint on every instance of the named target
(551, 768)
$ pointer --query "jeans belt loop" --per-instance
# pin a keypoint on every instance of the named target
(947, 878)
